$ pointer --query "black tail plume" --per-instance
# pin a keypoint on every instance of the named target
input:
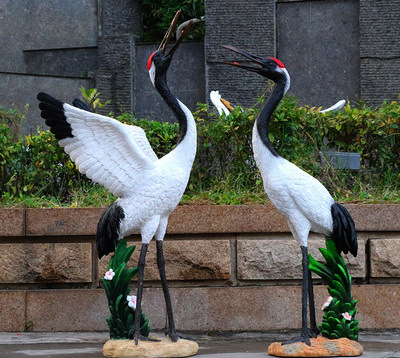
(344, 232)
(107, 234)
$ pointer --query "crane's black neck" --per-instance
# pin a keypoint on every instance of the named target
(160, 83)
(264, 116)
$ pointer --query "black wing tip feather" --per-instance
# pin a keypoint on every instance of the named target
(344, 232)
(46, 98)
(107, 234)
(52, 110)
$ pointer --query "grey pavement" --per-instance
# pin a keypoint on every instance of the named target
(234, 345)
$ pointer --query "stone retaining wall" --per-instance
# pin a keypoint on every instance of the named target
(230, 268)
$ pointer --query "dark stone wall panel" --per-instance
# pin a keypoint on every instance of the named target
(19, 90)
(78, 62)
(120, 17)
(115, 73)
(186, 80)
(380, 28)
(248, 25)
(380, 80)
(380, 50)
(318, 43)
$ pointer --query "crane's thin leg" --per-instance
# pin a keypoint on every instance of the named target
(161, 268)
(305, 332)
(313, 323)
(141, 265)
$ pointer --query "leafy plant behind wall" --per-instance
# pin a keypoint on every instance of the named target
(340, 308)
(157, 16)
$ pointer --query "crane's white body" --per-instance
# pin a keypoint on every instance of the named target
(303, 200)
(120, 158)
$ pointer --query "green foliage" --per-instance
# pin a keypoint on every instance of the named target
(34, 170)
(91, 97)
(121, 321)
(158, 14)
(224, 149)
(12, 119)
(36, 166)
(334, 273)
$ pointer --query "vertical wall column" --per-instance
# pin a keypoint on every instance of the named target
(119, 24)
(247, 25)
(379, 50)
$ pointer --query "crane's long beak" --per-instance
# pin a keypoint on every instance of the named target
(256, 59)
(168, 35)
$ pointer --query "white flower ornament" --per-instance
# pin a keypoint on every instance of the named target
(109, 275)
(327, 302)
(131, 301)
(346, 316)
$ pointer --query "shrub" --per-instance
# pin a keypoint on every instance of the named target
(224, 171)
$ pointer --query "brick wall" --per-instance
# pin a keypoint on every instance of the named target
(230, 268)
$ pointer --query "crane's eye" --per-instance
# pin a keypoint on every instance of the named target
(149, 61)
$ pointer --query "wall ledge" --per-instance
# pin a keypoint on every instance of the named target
(193, 219)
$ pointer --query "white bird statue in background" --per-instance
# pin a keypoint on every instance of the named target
(215, 98)
(303, 200)
(120, 158)
(336, 107)
(220, 104)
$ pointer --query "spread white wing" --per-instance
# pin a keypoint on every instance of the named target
(110, 153)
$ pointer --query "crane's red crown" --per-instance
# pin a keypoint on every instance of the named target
(149, 61)
(279, 63)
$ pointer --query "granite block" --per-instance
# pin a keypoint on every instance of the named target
(385, 258)
(184, 260)
(46, 262)
(12, 310)
(12, 222)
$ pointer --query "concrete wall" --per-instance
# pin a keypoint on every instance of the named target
(332, 48)
(186, 80)
(247, 25)
(46, 46)
(318, 43)
(231, 268)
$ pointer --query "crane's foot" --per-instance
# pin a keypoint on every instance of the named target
(304, 338)
(175, 336)
(139, 337)
(314, 332)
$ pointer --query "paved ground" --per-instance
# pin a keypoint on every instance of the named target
(243, 345)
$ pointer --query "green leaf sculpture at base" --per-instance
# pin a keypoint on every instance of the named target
(121, 305)
(340, 308)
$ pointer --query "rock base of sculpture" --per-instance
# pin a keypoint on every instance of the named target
(164, 348)
(320, 347)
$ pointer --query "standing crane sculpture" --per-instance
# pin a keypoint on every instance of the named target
(120, 158)
(303, 200)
